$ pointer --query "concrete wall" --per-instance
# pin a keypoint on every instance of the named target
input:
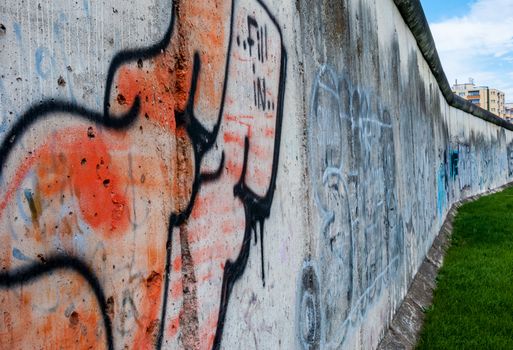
(218, 174)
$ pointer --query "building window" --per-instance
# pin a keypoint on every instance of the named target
(473, 93)
(477, 101)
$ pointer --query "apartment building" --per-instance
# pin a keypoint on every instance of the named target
(491, 99)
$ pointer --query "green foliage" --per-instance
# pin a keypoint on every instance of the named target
(473, 302)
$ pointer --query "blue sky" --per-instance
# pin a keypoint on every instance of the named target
(439, 10)
(474, 39)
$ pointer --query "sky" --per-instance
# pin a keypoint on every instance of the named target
(474, 39)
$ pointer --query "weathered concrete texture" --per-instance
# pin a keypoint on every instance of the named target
(405, 328)
(387, 158)
(138, 165)
(255, 174)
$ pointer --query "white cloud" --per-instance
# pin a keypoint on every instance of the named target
(479, 45)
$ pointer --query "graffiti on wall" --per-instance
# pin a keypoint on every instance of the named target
(455, 167)
(352, 166)
(130, 227)
(465, 166)
(509, 150)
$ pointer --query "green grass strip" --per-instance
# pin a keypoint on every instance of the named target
(473, 301)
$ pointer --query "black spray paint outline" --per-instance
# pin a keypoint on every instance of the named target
(256, 208)
(37, 271)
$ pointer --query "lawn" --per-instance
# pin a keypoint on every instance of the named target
(473, 302)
